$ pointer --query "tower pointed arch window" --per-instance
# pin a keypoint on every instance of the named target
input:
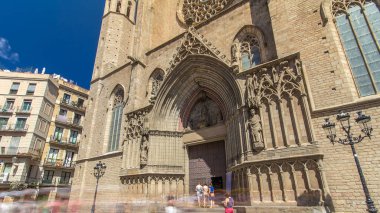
(358, 25)
(116, 119)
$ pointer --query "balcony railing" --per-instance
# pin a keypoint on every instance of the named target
(73, 104)
(68, 121)
(20, 151)
(59, 163)
(24, 110)
(6, 109)
(55, 180)
(14, 128)
(64, 141)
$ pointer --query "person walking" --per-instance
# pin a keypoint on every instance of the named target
(199, 190)
(228, 204)
(212, 195)
(205, 195)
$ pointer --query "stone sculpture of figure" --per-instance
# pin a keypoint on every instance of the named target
(255, 130)
(203, 118)
(144, 150)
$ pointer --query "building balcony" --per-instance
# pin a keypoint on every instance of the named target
(59, 163)
(19, 151)
(23, 110)
(74, 123)
(6, 109)
(64, 142)
(57, 181)
(73, 105)
(14, 128)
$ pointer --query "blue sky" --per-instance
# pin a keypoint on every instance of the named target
(60, 35)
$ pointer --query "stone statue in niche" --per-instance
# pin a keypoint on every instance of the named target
(144, 150)
(205, 113)
(255, 130)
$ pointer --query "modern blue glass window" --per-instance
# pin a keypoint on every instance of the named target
(360, 35)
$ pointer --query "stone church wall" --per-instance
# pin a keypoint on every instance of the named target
(290, 163)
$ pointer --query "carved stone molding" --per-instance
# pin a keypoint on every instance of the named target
(136, 123)
(165, 133)
(276, 92)
(299, 180)
(194, 43)
(273, 81)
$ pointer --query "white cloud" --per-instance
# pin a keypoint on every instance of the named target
(6, 52)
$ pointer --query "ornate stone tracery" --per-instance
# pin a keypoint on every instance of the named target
(118, 97)
(197, 11)
(136, 140)
(341, 6)
(194, 43)
(155, 82)
(278, 93)
(247, 50)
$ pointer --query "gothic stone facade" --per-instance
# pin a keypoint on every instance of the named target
(259, 76)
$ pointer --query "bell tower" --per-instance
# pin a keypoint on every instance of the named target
(116, 36)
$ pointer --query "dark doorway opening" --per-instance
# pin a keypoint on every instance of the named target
(217, 182)
(207, 165)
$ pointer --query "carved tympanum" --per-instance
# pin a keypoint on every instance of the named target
(204, 113)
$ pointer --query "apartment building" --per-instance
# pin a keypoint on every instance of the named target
(61, 148)
(26, 108)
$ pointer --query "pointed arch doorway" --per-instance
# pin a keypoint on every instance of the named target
(204, 138)
(183, 126)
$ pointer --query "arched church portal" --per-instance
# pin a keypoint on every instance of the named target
(201, 99)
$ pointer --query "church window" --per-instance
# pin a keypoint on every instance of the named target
(358, 25)
(250, 52)
(116, 118)
(155, 83)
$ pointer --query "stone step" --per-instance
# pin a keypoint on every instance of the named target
(201, 210)
(279, 209)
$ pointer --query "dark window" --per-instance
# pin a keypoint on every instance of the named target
(66, 98)
(31, 89)
(14, 88)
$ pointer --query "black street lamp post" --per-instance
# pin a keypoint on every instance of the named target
(99, 171)
(364, 122)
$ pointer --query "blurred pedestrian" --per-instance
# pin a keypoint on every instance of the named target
(199, 190)
(170, 208)
(228, 203)
(212, 195)
(205, 195)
